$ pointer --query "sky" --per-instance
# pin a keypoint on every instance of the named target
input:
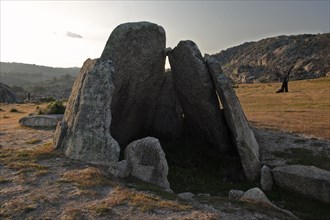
(66, 33)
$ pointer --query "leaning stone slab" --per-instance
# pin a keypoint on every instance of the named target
(41, 121)
(147, 161)
(85, 131)
(243, 136)
(307, 180)
(197, 96)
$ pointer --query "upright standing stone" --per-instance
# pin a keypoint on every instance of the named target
(137, 52)
(86, 134)
(197, 96)
(242, 134)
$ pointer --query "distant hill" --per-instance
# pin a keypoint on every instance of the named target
(268, 60)
(24, 75)
(40, 81)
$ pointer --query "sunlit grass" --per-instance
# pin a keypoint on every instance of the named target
(304, 109)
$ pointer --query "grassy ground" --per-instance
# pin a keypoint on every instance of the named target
(304, 109)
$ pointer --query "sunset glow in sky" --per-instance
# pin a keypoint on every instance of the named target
(65, 34)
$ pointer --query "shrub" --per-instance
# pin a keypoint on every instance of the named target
(14, 110)
(48, 99)
(55, 107)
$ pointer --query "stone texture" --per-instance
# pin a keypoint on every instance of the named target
(307, 180)
(46, 121)
(266, 179)
(6, 94)
(197, 96)
(137, 51)
(235, 194)
(242, 134)
(88, 117)
(167, 122)
(188, 196)
(122, 169)
(255, 195)
(147, 161)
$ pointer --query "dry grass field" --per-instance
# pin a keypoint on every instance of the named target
(37, 182)
(304, 109)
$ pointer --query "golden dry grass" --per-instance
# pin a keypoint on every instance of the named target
(144, 202)
(304, 109)
(10, 119)
(88, 177)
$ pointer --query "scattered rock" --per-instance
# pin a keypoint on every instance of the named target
(266, 179)
(255, 195)
(88, 117)
(197, 96)
(235, 194)
(243, 136)
(121, 169)
(307, 180)
(41, 121)
(6, 94)
(188, 196)
(147, 161)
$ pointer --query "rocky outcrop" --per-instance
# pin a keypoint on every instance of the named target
(194, 87)
(268, 60)
(6, 94)
(136, 50)
(307, 180)
(242, 134)
(88, 117)
(147, 161)
(39, 121)
(266, 179)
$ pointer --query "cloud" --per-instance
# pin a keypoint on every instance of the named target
(73, 35)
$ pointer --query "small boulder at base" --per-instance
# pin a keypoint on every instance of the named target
(39, 121)
(196, 93)
(147, 161)
(307, 180)
(257, 196)
(242, 134)
(85, 133)
(266, 179)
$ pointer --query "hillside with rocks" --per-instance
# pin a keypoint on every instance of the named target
(269, 60)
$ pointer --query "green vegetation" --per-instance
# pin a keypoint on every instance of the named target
(56, 107)
(304, 157)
